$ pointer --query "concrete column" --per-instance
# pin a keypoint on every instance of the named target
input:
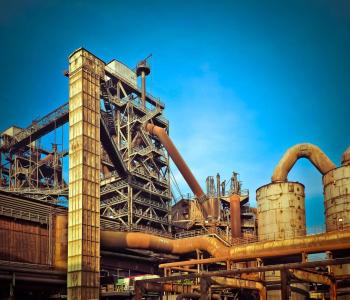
(83, 278)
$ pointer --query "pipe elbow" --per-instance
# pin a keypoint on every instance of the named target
(313, 153)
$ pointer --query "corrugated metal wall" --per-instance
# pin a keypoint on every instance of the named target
(23, 241)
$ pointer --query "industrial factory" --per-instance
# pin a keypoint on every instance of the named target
(93, 215)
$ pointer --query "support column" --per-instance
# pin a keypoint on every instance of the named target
(284, 285)
(204, 288)
(83, 278)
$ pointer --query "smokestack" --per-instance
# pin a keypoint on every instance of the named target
(143, 69)
(235, 209)
(218, 189)
(223, 186)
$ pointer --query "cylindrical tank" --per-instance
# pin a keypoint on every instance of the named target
(336, 188)
(281, 215)
(281, 210)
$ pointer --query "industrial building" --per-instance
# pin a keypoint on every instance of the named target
(113, 230)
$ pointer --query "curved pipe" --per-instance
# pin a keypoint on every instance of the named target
(335, 240)
(241, 283)
(309, 151)
(177, 159)
(317, 278)
(112, 240)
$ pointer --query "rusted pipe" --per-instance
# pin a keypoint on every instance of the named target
(311, 277)
(235, 211)
(177, 159)
(143, 88)
(313, 153)
(345, 159)
(316, 278)
(335, 240)
(112, 240)
(241, 283)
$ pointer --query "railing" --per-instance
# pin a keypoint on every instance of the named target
(113, 225)
(250, 223)
(23, 215)
(277, 236)
(191, 233)
(145, 215)
(152, 203)
(113, 201)
(109, 187)
(143, 228)
(132, 84)
(247, 210)
(41, 123)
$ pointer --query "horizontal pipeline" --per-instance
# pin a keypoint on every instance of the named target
(336, 240)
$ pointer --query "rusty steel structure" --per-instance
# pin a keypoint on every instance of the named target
(116, 218)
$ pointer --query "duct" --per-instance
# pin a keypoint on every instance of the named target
(309, 151)
(235, 211)
(177, 159)
(335, 240)
(112, 241)
(345, 159)
(311, 277)
(241, 283)
(317, 278)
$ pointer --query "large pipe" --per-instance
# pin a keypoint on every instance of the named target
(114, 241)
(336, 240)
(241, 283)
(317, 278)
(143, 88)
(235, 211)
(177, 159)
(309, 151)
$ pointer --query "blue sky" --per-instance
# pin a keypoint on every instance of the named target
(242, 80)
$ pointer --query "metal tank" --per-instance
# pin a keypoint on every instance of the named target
(336, 189)
(281, 211)
(281, 215)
